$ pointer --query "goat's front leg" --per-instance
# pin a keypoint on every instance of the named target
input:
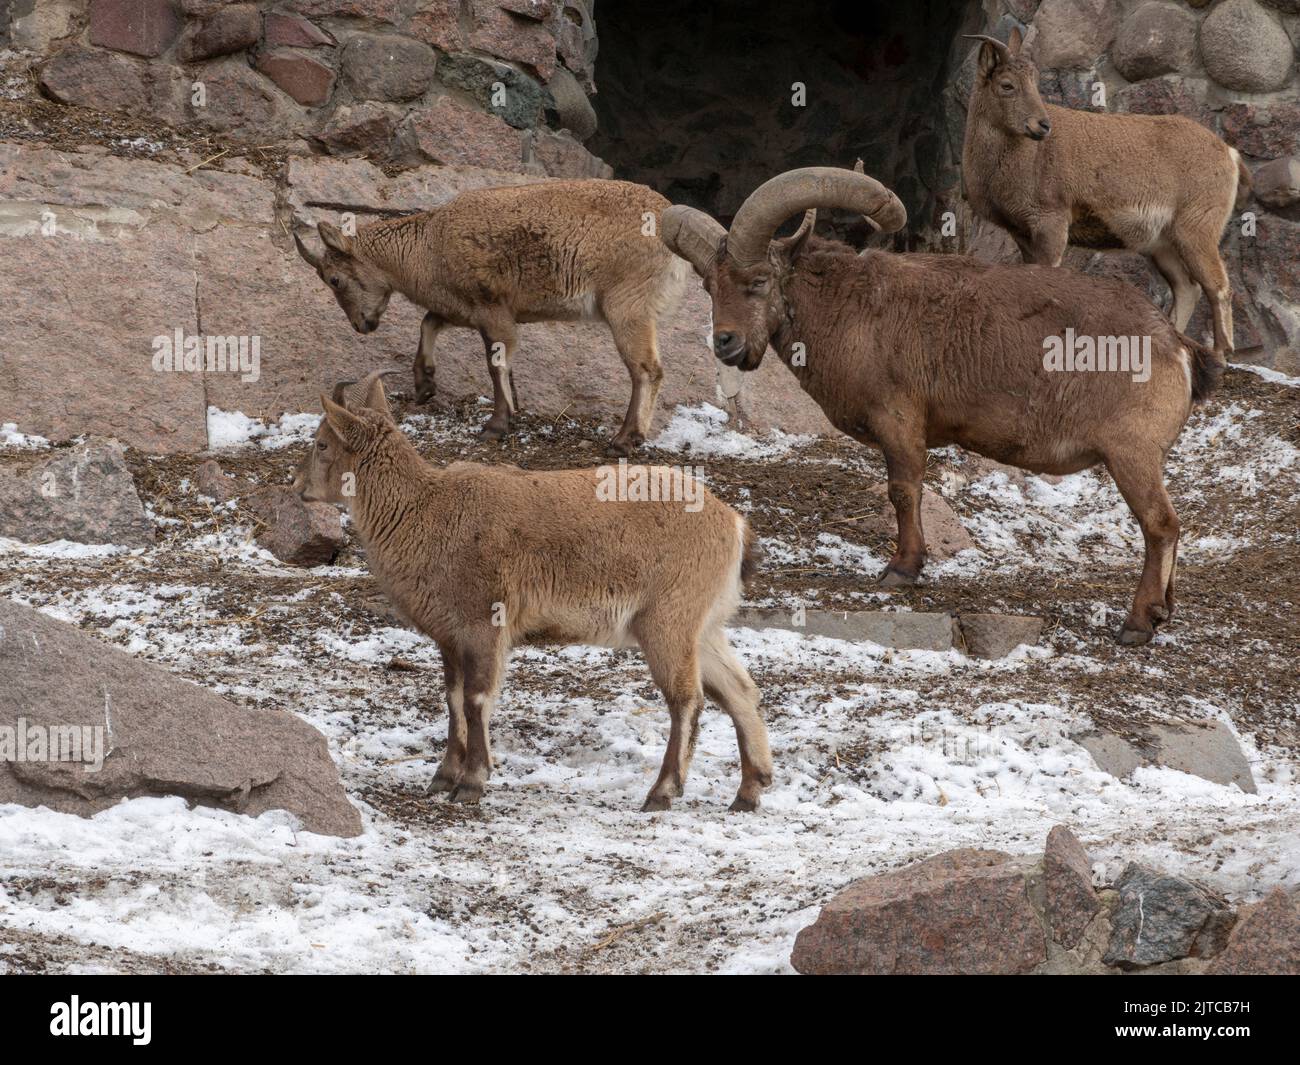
(425, 368)
(500, 338)
(906, 467)
(453, 759)
(482, 665)
(1049, 240)
(637, 343)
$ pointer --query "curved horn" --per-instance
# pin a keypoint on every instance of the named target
(1004, 53)
(305, 252)
(691, 234)
(337, 395)
(796, 190)
(365, 383)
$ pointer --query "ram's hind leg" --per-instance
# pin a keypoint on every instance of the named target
(1184, 290)
(729, 685)
(905, 463)
(453, 759)
(425, 369)
(1141, 482)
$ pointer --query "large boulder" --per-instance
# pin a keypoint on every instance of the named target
(964, 911)
(1245, 49)
(1071, 34)
(152, 733)
(85, 494)
(296, 532)
(1157, 38)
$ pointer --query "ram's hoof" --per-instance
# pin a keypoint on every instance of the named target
(1131, 637)
(893, 578)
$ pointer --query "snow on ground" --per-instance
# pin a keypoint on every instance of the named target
(883, 757)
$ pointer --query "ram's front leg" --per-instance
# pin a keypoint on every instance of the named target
(500, 338)
(905, 462)
(425, 368)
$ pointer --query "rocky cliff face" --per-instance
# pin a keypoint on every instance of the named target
(154, 155)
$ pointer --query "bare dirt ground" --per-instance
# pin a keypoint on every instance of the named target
(883, 756)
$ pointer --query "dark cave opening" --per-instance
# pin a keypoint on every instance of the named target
(700, 100)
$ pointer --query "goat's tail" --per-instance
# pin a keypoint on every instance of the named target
(1243, 180)
(1206, 368)
(751, 555)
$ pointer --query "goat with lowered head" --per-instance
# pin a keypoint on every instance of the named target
(491, 259)
(483, 558)
(910, 352)
(1050, 176)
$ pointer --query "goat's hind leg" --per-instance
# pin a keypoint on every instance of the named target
(453, 759)
(674, 664)
(425, 368)
(729, 685)
(637, 343)
(482, 667)
(906, 467)
(1140, 480)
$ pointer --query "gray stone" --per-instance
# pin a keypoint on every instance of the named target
(1070, 901)
(498, 88)
(904, 630)
(229, 30)
(142, 27)
(210, 480)
(1208, 751)
(296, 532)
(1245, 49)
(1070, 34)
(997, 635)
(960, 912)
(366, 128)
(159, 734)
(1277, 184)
(451, 133)
(85, 494)
(386, 67)
(307, 80)
(108, 82)
(1157, 38)
(1158, 918)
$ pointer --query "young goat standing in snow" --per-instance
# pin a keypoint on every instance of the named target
(482, 558)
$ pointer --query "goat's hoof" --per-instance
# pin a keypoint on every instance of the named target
(1133, 637)
(655, 803)
(492, 432)
(440, 784)
(893, 578)
(623, 448)
(743, 806)
(470, 794)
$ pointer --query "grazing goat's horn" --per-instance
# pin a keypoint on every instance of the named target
(1003, 51)
(305, 252)
(796, 190)
(691, 234)
(337, 396)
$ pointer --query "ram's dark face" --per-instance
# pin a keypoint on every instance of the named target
(747, 310)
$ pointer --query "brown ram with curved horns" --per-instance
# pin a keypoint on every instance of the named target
(910, 352)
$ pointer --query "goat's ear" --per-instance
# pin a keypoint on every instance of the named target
(793, 245)
(346, 425)
(1015, 41)
(335, 238)
(377, 398)
(988, 61)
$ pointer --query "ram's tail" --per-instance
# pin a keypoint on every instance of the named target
(1243, 181)
(750, 557)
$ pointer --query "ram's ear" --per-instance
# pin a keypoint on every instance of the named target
(1015, 40)
(346, 425)
(376, 398)
(988, 61)
(335, 238)
(793, 245)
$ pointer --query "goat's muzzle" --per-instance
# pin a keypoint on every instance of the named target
(1038, 129)
(728, 347)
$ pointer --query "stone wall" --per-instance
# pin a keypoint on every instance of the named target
(501, 83)
(1230, 65)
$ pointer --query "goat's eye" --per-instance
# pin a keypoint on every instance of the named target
(1008, 87)
(321, 445)
(758, 287)
(334, 282)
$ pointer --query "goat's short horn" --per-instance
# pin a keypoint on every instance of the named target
(338, 395)
(691, 234)
(305, 252)
(1003, 50)
(797, 190)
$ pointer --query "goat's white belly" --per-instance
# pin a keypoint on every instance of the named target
(1140, 226)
